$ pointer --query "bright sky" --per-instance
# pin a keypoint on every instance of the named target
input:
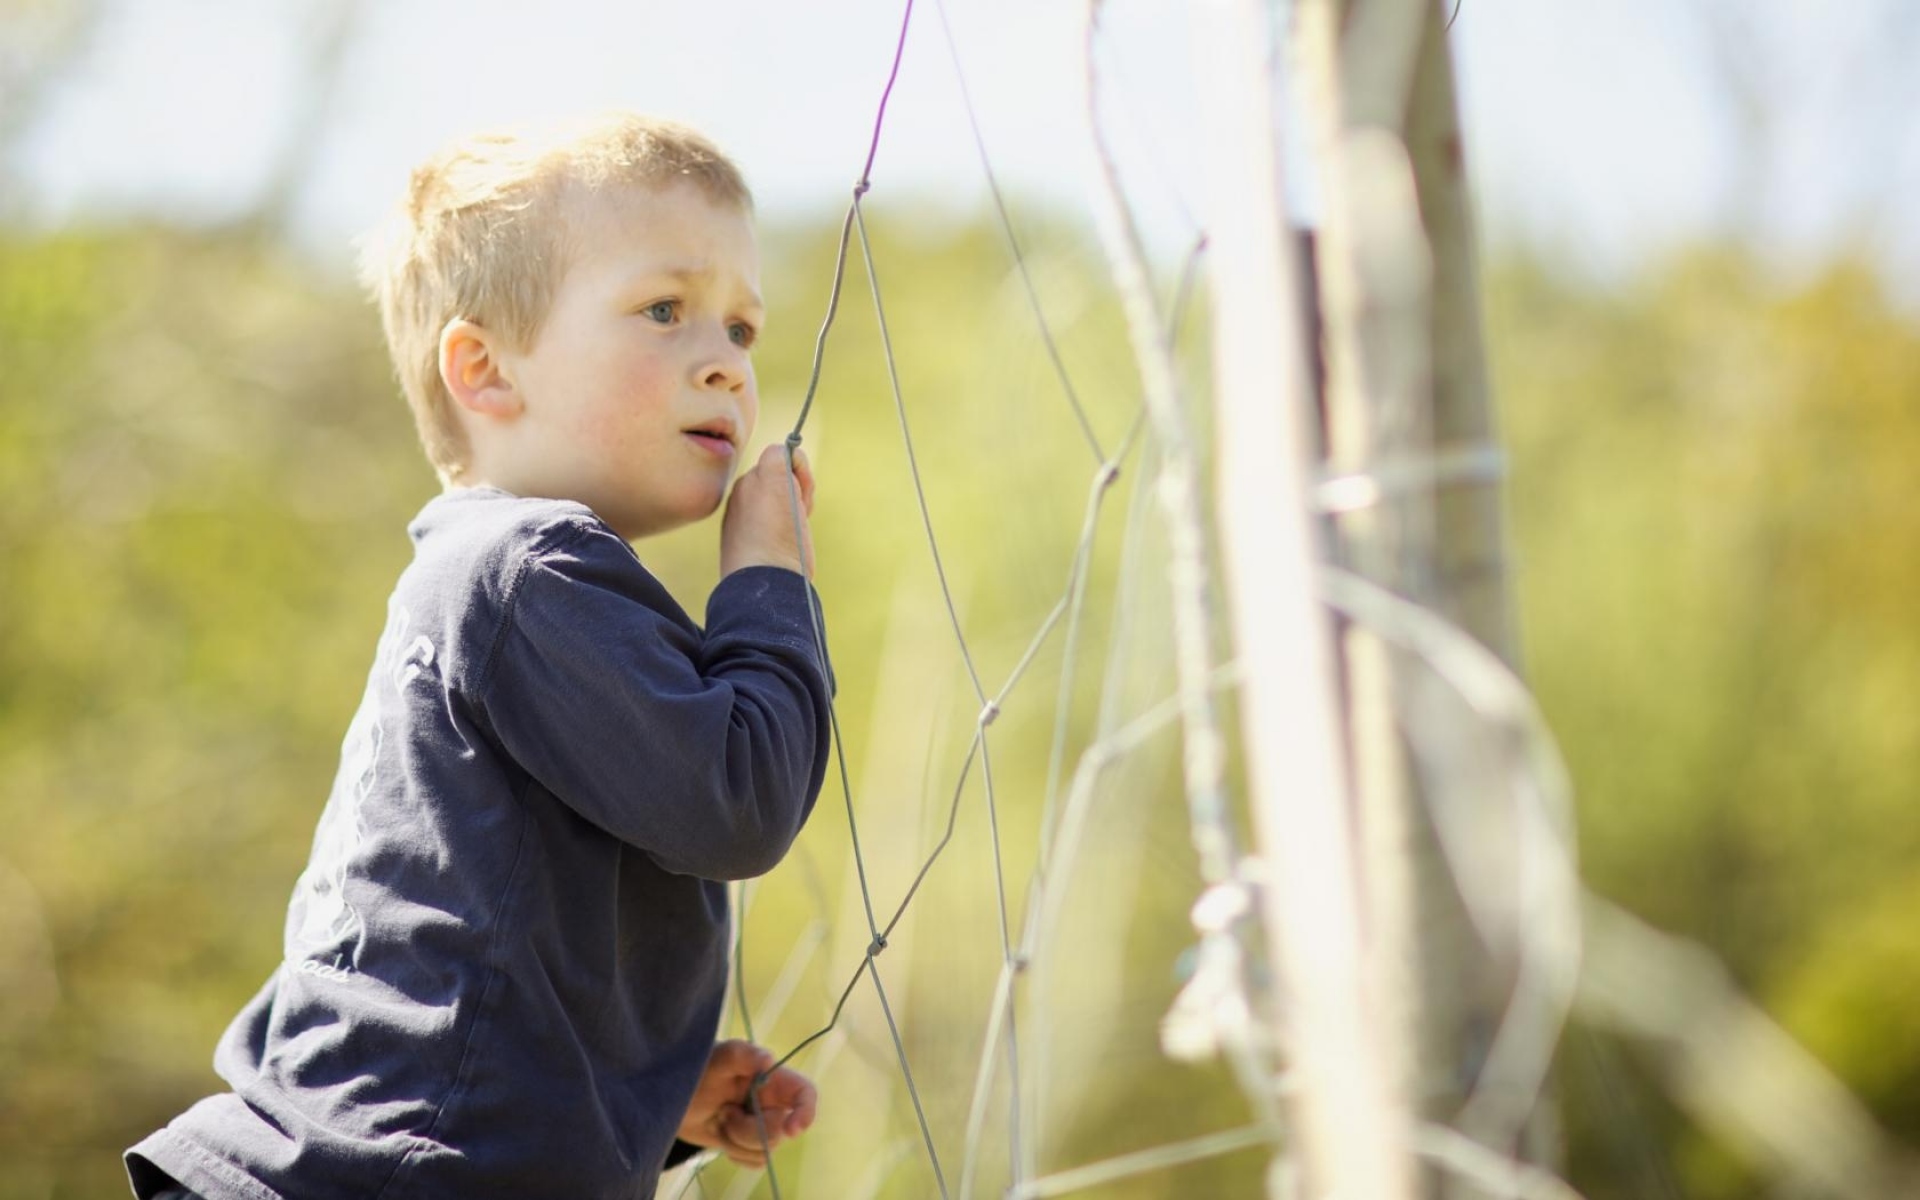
(1595, 124)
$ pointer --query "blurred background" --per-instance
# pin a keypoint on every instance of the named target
(1701, 244)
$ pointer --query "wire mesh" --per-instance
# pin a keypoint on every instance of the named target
(1567, 953)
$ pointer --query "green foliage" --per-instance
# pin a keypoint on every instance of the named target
(1712, 500)
(204, 476)
(196, 489)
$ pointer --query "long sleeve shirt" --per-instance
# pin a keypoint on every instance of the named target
(505, 962)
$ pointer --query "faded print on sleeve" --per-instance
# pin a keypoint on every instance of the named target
(322, 924)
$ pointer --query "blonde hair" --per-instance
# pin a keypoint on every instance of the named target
(482, 234)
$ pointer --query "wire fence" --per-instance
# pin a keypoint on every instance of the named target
(1487, 776)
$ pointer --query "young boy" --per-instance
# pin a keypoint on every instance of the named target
(505, 962)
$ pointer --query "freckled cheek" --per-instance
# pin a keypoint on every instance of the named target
(631, 404)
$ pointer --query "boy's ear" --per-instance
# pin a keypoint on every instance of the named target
(473, 371)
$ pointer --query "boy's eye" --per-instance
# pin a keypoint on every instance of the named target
(662, 311)
(741, 333)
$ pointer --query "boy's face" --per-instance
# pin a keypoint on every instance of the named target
(639, 392)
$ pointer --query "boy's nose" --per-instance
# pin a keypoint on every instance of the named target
(723, 369)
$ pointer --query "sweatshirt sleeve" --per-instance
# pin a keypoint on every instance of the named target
(705, 752)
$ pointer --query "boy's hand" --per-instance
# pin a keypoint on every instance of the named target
(720, 1116)
(758, 530)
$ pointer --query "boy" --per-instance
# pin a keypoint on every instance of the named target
(505, 961)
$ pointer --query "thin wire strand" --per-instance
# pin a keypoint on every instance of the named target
(953, 814)
(1073, 602)
(913, 460)
(1107, 718)
(1496, 1173)
(1006, 942)
(846, 226)
(774, 1001)
(882, 1166)
(1142, 1162)
(906, 1072)
(1547, 965)
(834, 1019)
(1103, 480)
(695, 1167)
(1205, 746)
(1107, 721)
(740, 958)
(1006, 225)
(1043, 904)
(1149, 145)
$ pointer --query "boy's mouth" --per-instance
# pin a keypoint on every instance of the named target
(715, 435)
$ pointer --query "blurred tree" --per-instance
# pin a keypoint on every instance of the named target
(329, 43)
(1847, 90)
(39, 42)
(1712, 502)
(199, 472)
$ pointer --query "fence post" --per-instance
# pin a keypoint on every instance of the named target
(1346, 1113)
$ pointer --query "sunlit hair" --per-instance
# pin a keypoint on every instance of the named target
(483, 233)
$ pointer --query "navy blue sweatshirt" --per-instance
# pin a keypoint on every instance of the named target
(506, 960)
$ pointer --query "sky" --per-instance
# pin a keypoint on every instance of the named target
(1604, 129)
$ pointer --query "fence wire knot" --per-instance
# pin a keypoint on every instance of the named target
(1109, 475)
(988, 713)
(878, 944)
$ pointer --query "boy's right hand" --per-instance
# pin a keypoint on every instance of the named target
(759, 527)
(721, 1116)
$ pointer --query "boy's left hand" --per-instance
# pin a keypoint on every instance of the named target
(720, 1116)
